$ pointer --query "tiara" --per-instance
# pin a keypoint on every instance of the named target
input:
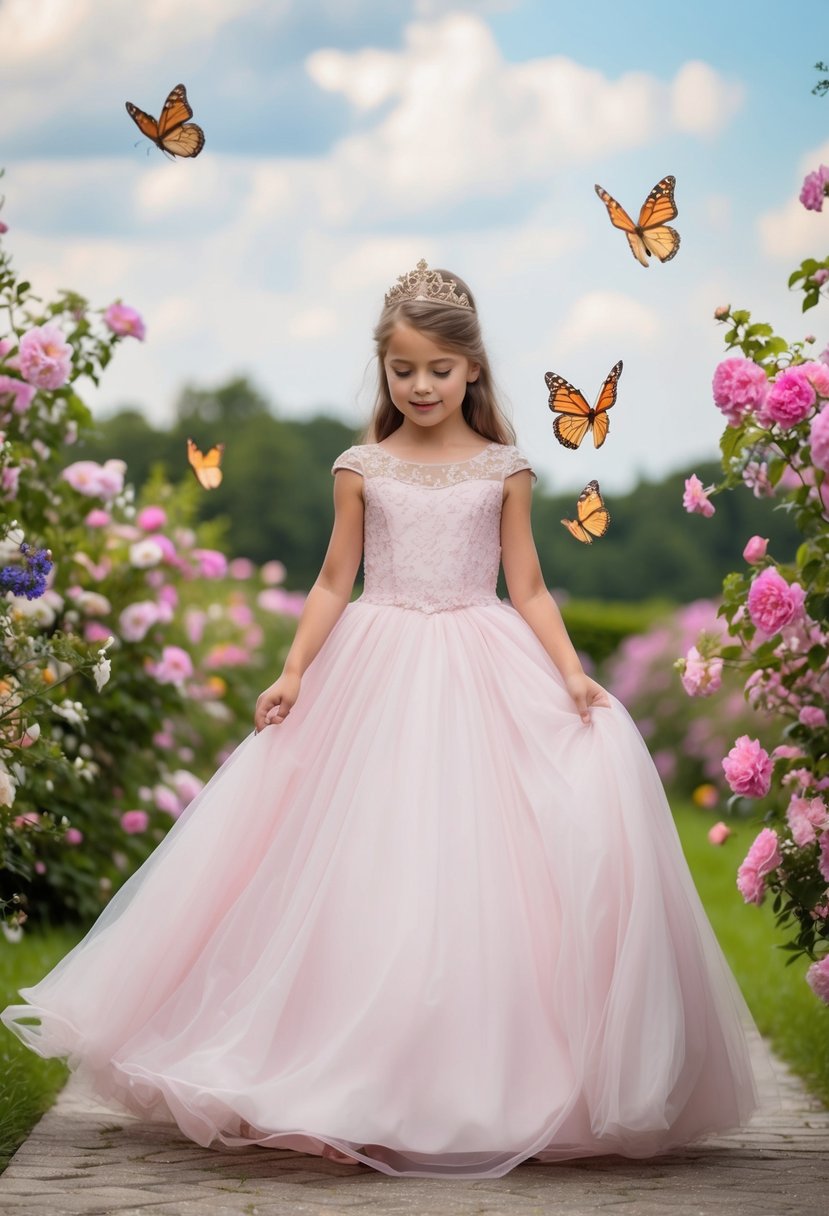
(425, 284)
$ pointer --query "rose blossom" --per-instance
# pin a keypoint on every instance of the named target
(97, 518)
(145, 553)
(174, 667)
(701, 676)
(719, 833)
(803, 816)
(823, 859)
(772, 602)
(96, 480)
(789, 399)
(762, 858)
(695, 499)
(751, 885)
(755, 549)
(125, 321)
(152, 518)
(721, 312)
(45, 357)
(747, 768)
(167, 800)
(819, 439)
(812, 716)
(814, 188)
(817, 977)
(817, 374)
(16, 393)
(740, 386)
(212, 564)
(136, 619)
(134, 821)
(756, 477)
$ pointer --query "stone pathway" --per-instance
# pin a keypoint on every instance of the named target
(82, 1158)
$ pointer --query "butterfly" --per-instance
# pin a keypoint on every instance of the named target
(593, 517)
(651, 234)
(577, 416)
(172, 133)
(206, 465)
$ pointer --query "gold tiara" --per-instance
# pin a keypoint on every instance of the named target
(425, 284)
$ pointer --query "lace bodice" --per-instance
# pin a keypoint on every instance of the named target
(432, 537)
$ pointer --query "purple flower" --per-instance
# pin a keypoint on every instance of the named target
(740, 386)
(30, 578)
(813, 189)
(45, 357)
(790, 399)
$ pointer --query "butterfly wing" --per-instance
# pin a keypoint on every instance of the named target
(566, 400)
(184, 141)
(619, 218)
(205, 465)
(657, 237)
(576, 530)
(176, 135)
(663, 241)
(146, 124)
(606, 400)
(593, 515)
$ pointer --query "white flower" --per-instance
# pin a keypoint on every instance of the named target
(102, 671)
(93, 603)
(12, 933)
(7, 786)
(72, 712)
(145, 553)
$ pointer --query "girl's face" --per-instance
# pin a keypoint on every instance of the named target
(426, 381)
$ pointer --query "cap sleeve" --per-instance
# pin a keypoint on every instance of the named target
(350, 459)
(515, 462)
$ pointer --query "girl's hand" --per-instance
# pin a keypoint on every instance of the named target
(586, 693)
(276, 702)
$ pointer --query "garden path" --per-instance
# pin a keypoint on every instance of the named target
(82, 1158)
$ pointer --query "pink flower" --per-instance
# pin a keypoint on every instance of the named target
(152, 518)
(96, 631)
(163, 740)
(96, 480)
(819, 439)
(212, 564)
(719, 833)
(823, 859)
(721, 312)
(701, 677)
(820, 276)
(134, 821)
(803, 816)
(45, 357)
(16, 393)
(817, 977)
(73, 836)
(817, 374)
(755, 549)
(814, 188)
(751, 885)
(168, 801)
(97, 518)
(740, 386)
(125, 321)
(241, 568)
(756, 477)
(748, 768)
(195, 620)
(812, 716)
(186, 785)
(3, 227)
(273, 572)
(137, 619)
(174, 667)
(772, 602)
(790, 399)
(762, 858)
(695, 499)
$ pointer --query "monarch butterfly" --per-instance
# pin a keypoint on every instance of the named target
(593, 517)
(205, 465)
(577, 416)
(651, 234)
(172, 133)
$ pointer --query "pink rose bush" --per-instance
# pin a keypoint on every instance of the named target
(773, 602)
(740, 387)
(748, 768)
(790, 399)
(762, 859)
(45, 357)
(814, 188)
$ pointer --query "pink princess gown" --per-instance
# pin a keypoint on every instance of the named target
(433, 920)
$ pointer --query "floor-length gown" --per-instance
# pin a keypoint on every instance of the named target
(433, 920)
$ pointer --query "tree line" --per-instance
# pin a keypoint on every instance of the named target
(276, 502)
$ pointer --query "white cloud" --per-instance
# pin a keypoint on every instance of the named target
(702, 101)
(601, 314)
(790, 231)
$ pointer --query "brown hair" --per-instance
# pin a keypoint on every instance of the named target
(455, 329)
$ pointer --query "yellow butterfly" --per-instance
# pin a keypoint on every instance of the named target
(577, 416)
(172, 133)
(205, 465)
(593, 517)
(651, 234)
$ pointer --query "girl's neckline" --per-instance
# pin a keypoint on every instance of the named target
(437, 464)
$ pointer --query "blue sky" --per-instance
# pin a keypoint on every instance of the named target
(347, 138)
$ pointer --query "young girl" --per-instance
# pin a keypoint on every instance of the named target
(432, 916)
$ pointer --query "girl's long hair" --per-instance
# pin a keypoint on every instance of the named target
(453, 328)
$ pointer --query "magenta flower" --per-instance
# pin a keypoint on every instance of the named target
(719, 833)
(695, 499)
(772, 602)
(150, 519)
(790, 399)
(701, 677)
(755, 550)
(125, 322)
(212, 564)
(748, 768)
(804, 816)
(814, 189)
(73, 836)
(817, 374)
(740, 386)
(45, 357)
(174, 667)
(817, 977)
(751, 885)
(134, 822)
(819, 439)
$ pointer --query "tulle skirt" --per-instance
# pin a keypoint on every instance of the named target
(432, 921)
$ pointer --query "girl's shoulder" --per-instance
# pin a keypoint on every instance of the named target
(365, 458)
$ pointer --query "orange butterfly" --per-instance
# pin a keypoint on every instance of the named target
(172, 133)
(593, 517)
(205, 465)
(577, 416)
(651, 234)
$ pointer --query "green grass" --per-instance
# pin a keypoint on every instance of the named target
(28, 1083)
(783, 1004)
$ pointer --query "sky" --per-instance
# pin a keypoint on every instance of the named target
(346, 139)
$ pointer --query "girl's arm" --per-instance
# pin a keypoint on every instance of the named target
(326, 599)
(529, 595)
